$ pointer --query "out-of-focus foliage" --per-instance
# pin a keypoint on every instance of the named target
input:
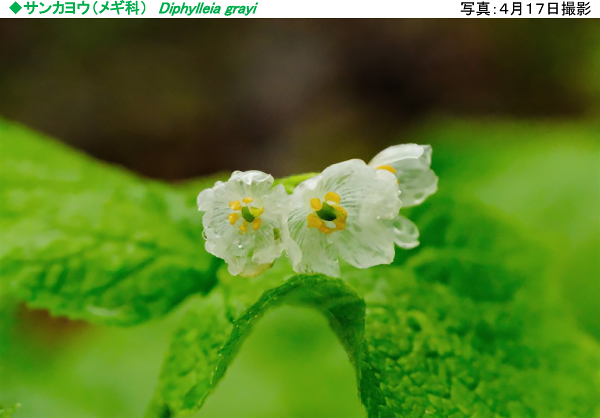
(89, 241)
(6, 412)
(473, 322)
(543, 176)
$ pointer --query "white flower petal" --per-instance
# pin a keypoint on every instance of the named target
(307, 248)
(250, 183)
(205, 199)
(310, 251)
(246, 253)
(365, 245)
(240, 266)
(364, 192)
(396, 153)
(406, 232)
(267, 246)
(412, 164)
(370, 198)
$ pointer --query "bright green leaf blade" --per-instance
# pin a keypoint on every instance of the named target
(89, 241)
(452, 331)
(209, 337)
(438, 352)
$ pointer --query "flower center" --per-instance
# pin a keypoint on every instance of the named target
(328, 215)
(249, 215)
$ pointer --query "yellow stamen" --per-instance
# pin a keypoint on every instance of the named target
(233, 217)
(256, 224)
(326, 230)
(247, 200)
(333, 197)
(316, 204)
(341, 210)
(314, 221)
(388, 168)
(243, 229)
(333, 202)
(340, 224)
(257, 211)
(235, 205)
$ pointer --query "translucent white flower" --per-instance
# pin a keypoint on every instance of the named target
(411, 164)
(243, 219)
(344, 212)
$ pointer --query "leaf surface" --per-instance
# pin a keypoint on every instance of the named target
(459, 328)
(89, 241)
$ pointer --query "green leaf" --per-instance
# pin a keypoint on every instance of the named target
(472, 249)
(210, 336)
(459, 335)
(89, 241)
(544, 178)
(7, 412)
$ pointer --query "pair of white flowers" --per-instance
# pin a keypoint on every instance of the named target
(349, 211)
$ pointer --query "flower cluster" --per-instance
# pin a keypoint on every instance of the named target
(350, 211)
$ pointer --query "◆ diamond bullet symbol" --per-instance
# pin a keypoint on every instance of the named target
(15, 7)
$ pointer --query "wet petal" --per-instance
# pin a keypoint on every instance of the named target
(368, 197)
(366, 245)
(247, 246)
(365, 193)
(406, 232)
(411, 163)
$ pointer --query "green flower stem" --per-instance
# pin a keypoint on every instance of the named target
(291, 182)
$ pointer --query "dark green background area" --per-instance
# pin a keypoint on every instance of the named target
(511, 109)
(181, 99)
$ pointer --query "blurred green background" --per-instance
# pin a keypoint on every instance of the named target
(511, 108)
